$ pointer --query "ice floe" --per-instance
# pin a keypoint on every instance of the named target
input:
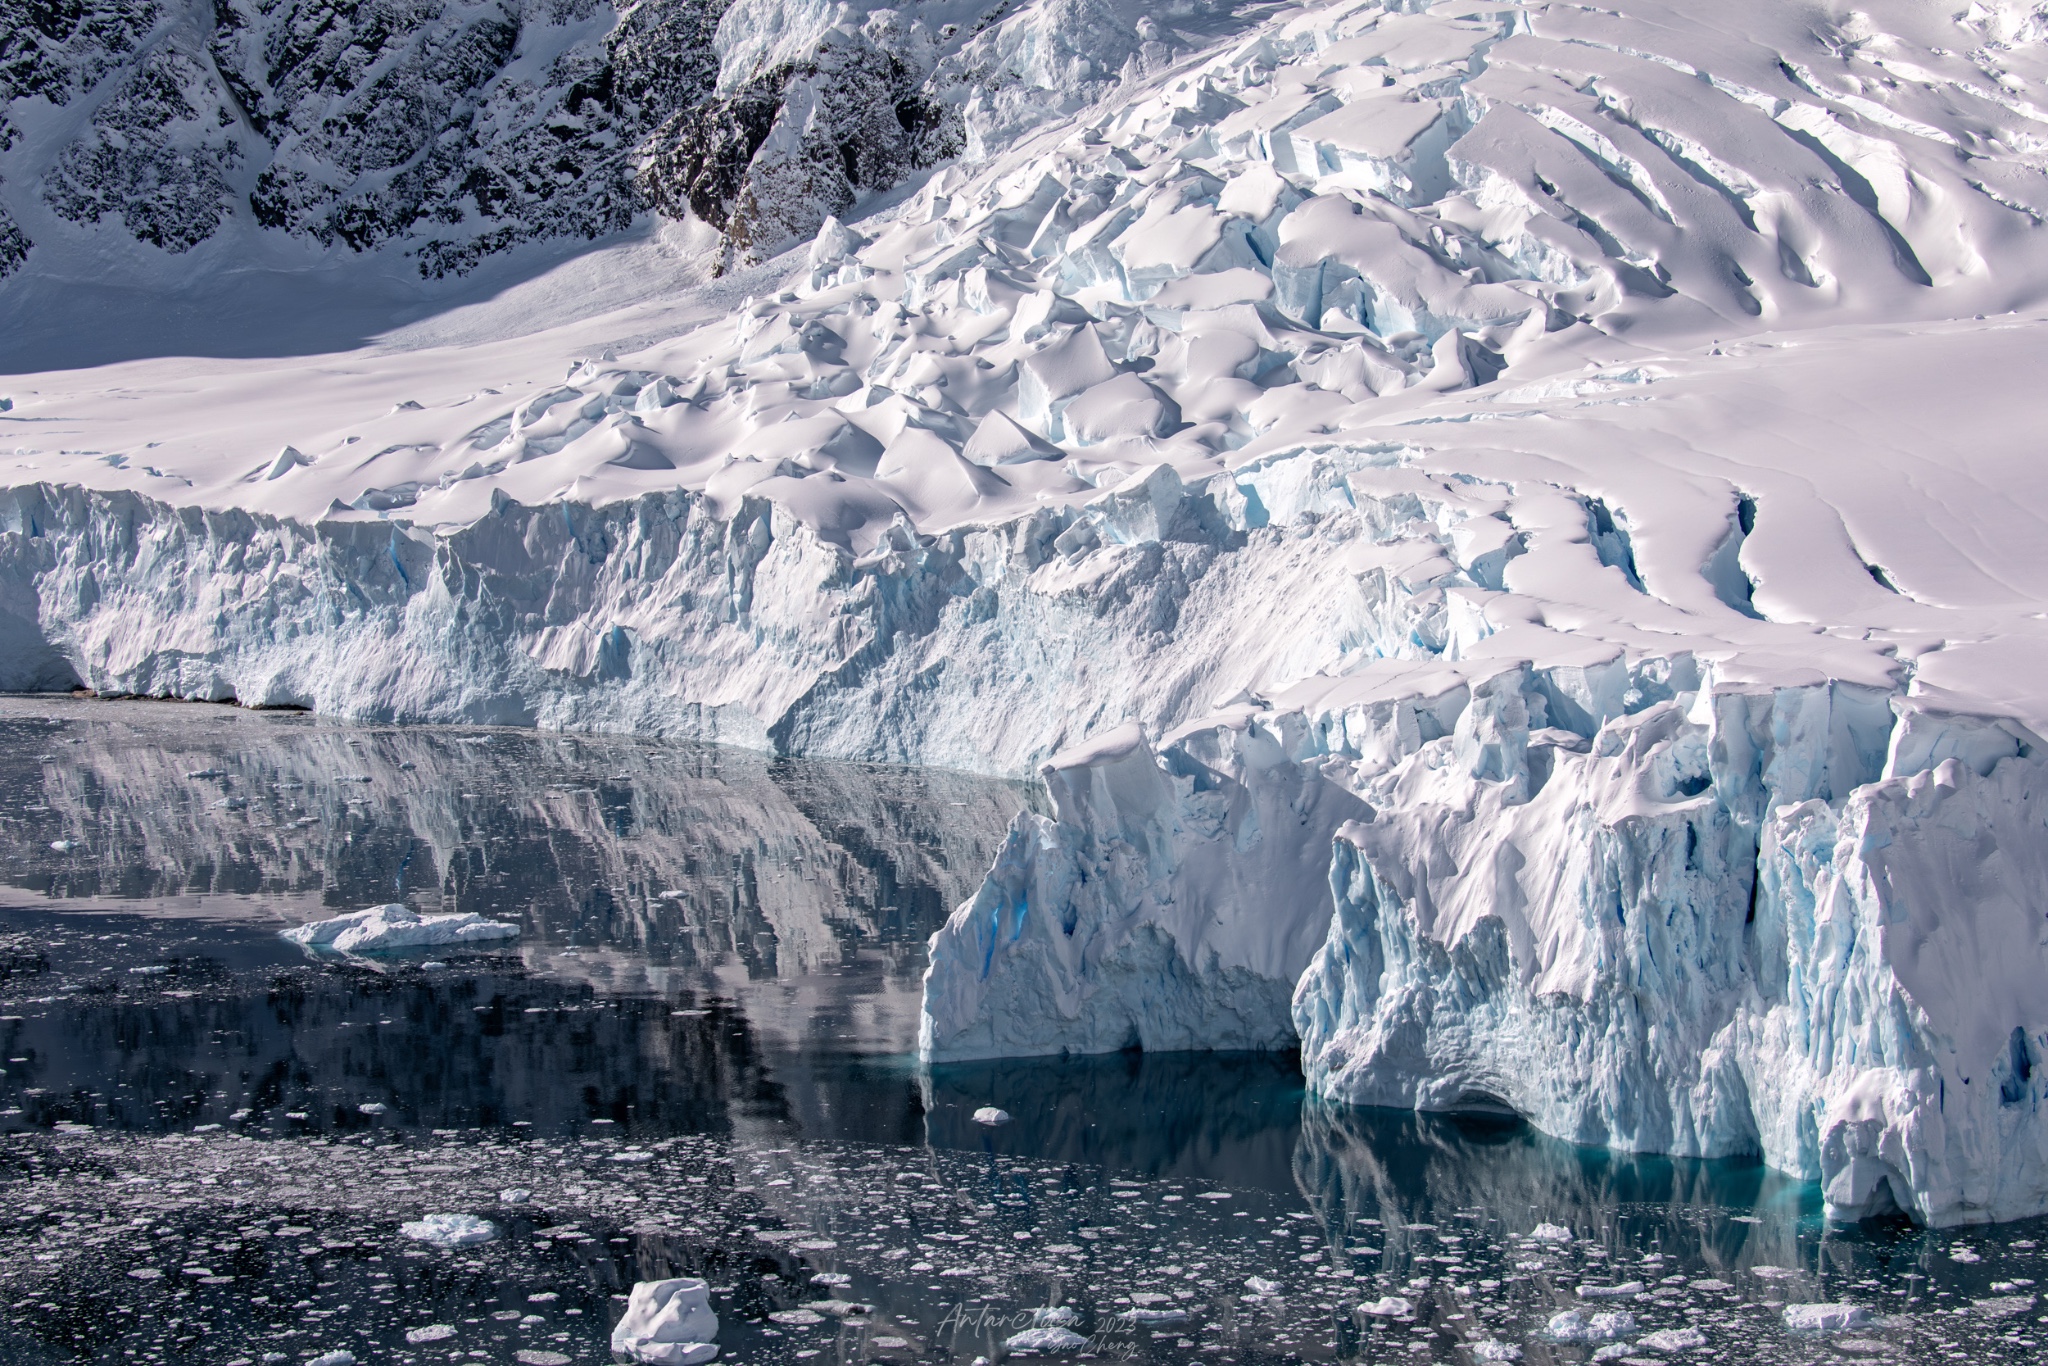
(397, 927)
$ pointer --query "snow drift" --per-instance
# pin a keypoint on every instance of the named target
(1512, 538)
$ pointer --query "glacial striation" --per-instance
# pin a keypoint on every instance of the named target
(1510, 536)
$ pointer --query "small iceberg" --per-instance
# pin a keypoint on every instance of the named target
(450, 1230)
(1824, 1318)
(1046, 1340)
(396, 927)
(990, 1115)
(668, 1323)
(1673, 1340)
(1576, 1325)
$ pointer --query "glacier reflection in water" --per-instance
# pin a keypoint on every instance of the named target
(696, 1060)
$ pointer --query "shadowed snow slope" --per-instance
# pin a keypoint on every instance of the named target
(1512, 535)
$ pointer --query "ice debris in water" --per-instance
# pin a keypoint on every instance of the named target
(1576, 1325)
(1388, 1307)
(1145, 1317)
(990, 1115)
(1491, 1349)
(1055, 1316)
(1046, 1340)
(1824, 1318)
(396, 927)
(1626, 1290)
(515, 1195)
(450, 1230)
(343, 1358)
(432, 1332)
(1673, 1340)
(1551, 1233)
(62, 846)
(668, 1323)
(372, 1107)
(1260, 1286)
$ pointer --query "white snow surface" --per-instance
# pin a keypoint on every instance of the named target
(396, 927)
(1511, 533)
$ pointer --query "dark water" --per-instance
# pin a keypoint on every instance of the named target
(694, 1060)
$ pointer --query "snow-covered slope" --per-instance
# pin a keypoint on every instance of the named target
(1513, 532)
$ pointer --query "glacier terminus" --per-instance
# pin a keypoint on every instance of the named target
(1511, 534)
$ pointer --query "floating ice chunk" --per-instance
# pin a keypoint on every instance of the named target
(1773, 1273)
(1551, 1233)
(396, 927)
(2003, 1306)
(341, 1358)
(515, 1195)
(989, 1114)
(1259, 1285)
(450, 1230)
(372, 1107)
(432, 1332)
(1055, 1316)
(1576, 1325)
(152, 970)
(1626, 1290)
(1966, 1255)
(1824, 1318)
(668, 1323)
(1146, 1317)
(1046, 1340)
(63, 846)
(1492, 1350)
(1673, 1340)
(1388, 1307)
(831, 1278)
(145, 1273)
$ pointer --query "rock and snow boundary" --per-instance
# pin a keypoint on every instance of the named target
(1502, 528)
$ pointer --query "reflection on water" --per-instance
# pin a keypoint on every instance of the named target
(785, 904)
(696, 1056)
(1230, 1117)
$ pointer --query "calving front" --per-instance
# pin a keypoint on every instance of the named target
(1634, 906)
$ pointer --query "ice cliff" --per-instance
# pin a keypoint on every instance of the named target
(1511, 538)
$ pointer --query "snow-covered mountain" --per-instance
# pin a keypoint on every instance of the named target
(1510, 531)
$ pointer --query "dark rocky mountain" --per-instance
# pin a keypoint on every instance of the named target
(452, 130)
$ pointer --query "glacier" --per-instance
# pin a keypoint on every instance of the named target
(1507, 536)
